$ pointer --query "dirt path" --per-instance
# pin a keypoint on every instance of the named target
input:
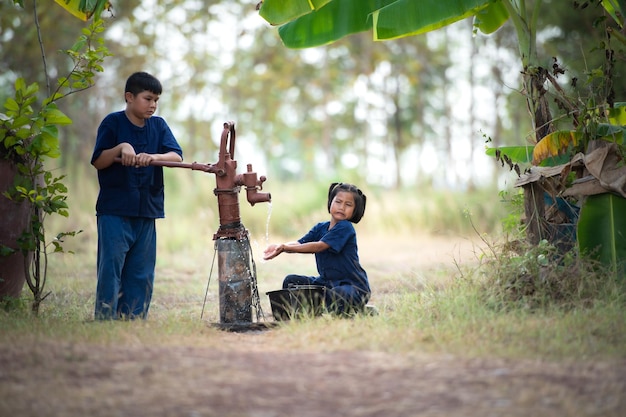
(246, 375)
(194, 381)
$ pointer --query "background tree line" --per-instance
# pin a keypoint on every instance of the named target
(413, 111)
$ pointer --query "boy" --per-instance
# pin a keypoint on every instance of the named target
(130, 199)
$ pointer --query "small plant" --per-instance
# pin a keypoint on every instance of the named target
(541, 276)
(517, 274)
(511, 224)
(27, 137)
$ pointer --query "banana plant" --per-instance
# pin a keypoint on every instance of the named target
(309, 23)
(601, 229)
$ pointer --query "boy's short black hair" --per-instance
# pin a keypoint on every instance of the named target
(359, 198)
(142, 81)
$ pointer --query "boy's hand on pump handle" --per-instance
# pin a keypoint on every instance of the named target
(130, 158)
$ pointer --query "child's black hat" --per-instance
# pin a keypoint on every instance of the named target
(359, 198)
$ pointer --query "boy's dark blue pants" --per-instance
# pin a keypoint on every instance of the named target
(126, 260)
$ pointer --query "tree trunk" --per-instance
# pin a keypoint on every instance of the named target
(15, 218)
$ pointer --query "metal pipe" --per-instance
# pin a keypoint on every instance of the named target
(235, 281)
(195, 166)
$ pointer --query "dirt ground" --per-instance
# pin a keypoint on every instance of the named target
(70, 380)
(187, 381)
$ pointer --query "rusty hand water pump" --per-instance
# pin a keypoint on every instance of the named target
(229, 183)
(238, 292)
(237, 279)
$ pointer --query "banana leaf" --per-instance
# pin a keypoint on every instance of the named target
(602, 231)
(334, 21)
(279, 12)
(554, 145)
(491, 18)
(305, 23)
(308, 23)
(409, 17)
(616, 9)
(84, 9)
(517, 154)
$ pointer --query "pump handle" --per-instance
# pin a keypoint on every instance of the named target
(193, 166)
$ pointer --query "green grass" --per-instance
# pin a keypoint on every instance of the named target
(444, 314)
(452, 320)
(436, 309)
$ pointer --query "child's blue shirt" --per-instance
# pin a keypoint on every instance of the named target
(125, 190)
(339, 264)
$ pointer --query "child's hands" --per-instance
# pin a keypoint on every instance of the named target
(272, 251)
(130, 158)
(127, 154)
(143, 159)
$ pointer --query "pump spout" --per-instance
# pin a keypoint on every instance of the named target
(254, 196)
(249, 179)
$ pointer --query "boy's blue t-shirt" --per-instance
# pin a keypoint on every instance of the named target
(129, 191)
(339, 264)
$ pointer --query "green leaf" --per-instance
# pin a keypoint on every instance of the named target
(611, 133)
(11, 105)
(48, 142)
(55, 116)
(409, 17)
(21, 121)
(616, 9)
(602, 230)
(23, 133)
(330, 23)
(57, 247)
(80, 44)
(32, 89)
(517, 154)
(20, 85)
(617, 115)
(319, 22)
(10, 141)
(491, 18)
(6, 251)
(84, 9)
(278, 12)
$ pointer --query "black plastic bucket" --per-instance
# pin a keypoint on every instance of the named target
(298, 301)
